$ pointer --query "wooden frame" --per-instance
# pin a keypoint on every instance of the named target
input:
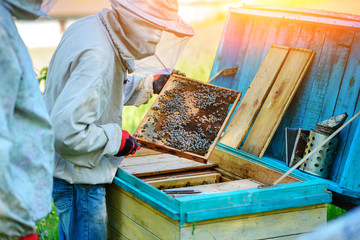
(158, 146)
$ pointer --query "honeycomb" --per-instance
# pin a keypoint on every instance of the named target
(187, 115)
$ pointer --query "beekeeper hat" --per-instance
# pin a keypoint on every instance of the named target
(163, 13)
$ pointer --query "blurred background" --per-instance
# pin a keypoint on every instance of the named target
(207, 17)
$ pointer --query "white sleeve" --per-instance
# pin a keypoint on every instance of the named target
(78, 139)
(138, 89)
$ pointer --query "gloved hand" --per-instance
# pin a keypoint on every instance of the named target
(161, 79)
(129, 145)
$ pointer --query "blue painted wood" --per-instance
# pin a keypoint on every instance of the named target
(256, 207)
(349, 175)
(330, 87)
(346, 102)
(331, 185)
(148, 194)
(230, 48)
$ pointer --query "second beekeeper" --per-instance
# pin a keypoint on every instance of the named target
(86, 88)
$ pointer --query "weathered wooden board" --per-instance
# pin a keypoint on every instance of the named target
(115, 235)
(348, 101)
(134, 219)
(143, 152)
(255, 96)
(155, 222)
(263, 226)
(160, 164)
(277, 101)
(185, 181)
(177, 175)
(127, 227)
(148, 159)
(311, 37)
(219, 187)
(244, 169)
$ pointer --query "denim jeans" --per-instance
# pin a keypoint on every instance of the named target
(81, 209)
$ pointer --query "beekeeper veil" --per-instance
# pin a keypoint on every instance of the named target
(29, 9)
(156, 32)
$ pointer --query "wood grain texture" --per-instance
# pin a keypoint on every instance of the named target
(221, 187)
(115, 235)
(161, 164)
(348, 101)
(129, 209)
(277, 101)
(246, 169)
(135, 219)
(184, 181)
(267, 226)
(127, 227)
(255, 96)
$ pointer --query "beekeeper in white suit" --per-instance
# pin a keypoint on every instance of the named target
(86, 88)
(26, 136)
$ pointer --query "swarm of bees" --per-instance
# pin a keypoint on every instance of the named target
(188, 116)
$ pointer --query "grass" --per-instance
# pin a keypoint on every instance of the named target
(47, 228)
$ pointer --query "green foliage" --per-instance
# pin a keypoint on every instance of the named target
(42, 74)
(47, 228)
(334, 212)
(193, 229)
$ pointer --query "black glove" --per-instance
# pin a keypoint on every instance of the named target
(129, 145)
(161, 79)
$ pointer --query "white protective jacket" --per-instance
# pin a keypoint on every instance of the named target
(85, 92)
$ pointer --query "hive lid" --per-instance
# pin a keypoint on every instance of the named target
(330, 87)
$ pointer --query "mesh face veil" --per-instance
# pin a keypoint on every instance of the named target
(166, 55)
(47, 5)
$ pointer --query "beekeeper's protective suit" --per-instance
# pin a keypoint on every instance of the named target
(85, 91)
(26, 136)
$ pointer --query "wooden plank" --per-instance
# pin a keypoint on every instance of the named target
(334, 82)
(295, 115)
(319, 89)
(305, 11)
(185, 181)
(246, 169)
(175, 175)
(144, 152)
(300, 18)
(255, 96)
(228, 174)
(277, 101)
(230, 48)
(259, 226)
(289, 237)
(180, 165)
(254, 53)
(142, 214)
(127, 227)
(348, 99)
(219, 187)
(149, 159)
(179, 174)
(115, 235)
